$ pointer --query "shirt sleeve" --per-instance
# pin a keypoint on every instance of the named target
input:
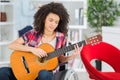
(27, 36)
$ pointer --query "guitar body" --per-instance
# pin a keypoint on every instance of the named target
(32, 62)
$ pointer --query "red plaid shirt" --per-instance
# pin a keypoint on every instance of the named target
(31, 38)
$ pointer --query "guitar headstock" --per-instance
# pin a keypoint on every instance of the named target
(94, 39)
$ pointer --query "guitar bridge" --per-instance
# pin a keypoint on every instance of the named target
(25, 64)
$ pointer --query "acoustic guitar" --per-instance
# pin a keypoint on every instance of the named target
(26, 65)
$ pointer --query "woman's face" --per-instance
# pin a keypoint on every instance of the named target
(51, 22)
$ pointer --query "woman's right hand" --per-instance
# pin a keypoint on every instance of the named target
(39, 52)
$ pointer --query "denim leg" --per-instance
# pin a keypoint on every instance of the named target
(45, 75)
(6, 74)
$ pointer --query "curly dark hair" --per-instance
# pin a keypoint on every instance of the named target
(52, 7)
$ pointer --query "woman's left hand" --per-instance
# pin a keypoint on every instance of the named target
(76, 52)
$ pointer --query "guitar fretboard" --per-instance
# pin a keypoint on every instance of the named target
(64, 50)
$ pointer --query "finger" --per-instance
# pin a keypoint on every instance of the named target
(45, 54)
(42, 53)
(75, 47)
(40, 56)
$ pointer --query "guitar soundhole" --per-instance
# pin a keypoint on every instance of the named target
(41, 60)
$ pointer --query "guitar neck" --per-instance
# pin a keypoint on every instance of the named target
(64, 50)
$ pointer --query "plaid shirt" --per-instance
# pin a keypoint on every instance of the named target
(31, 38)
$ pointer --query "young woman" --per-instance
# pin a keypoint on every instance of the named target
(50, 26)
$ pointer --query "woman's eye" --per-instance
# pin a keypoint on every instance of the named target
(50, 20)
(56, 22)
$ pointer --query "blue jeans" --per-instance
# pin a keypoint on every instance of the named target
(45, 75)
(7, 74)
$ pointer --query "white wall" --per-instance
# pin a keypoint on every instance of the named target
(23, 14)
(110, 35)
